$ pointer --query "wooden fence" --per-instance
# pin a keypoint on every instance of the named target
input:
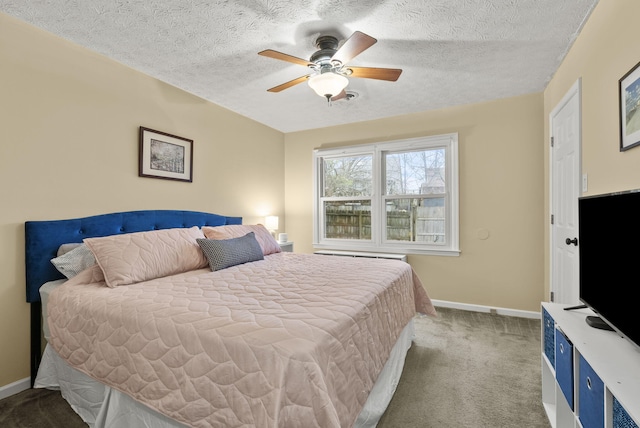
(420, 224)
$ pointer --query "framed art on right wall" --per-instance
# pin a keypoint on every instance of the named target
(629, 95)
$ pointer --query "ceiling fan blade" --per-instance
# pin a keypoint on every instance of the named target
(390, 74)
(289, 84)
(285, 57)
(357, 43)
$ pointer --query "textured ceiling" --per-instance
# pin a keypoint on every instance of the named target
(451, 52)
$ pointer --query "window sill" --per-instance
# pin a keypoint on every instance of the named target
(393, 250)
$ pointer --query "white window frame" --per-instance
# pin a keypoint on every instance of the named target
(449, 142)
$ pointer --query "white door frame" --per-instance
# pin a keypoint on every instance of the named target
(576, 91)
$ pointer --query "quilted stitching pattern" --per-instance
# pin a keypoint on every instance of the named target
(230, 252)
(289, 341)
(141, 256)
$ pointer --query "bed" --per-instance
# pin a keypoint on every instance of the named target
(193, 319)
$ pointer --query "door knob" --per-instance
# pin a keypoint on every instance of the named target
(573, 241)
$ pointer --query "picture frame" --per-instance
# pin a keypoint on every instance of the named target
(165, 156)
(629, 99)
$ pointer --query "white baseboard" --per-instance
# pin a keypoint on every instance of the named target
(15, 387)
(489, 309)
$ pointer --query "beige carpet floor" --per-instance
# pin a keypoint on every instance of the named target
(470, 369)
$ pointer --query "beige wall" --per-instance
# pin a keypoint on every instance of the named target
(69, 148)
(501, 190)
(606, 50)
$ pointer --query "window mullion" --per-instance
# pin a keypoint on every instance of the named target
(377, 216)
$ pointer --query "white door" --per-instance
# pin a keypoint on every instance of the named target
(564, 125)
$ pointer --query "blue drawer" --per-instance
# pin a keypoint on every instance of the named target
(590, 396)
(549, 336)
(564, 366)
(621, 418)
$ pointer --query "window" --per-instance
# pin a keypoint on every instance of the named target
(399, 196)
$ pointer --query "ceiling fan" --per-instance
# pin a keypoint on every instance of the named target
(329, 64)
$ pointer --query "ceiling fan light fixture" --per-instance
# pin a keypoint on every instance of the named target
(329, 66)
(328, 84)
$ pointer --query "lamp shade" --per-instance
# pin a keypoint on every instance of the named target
(271, 222)
(328, 84)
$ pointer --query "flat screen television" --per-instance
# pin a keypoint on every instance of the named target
(609, 255)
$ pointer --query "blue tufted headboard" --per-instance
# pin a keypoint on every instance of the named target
(42, 239)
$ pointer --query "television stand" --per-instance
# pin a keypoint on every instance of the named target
(590, 377)
(597, 322)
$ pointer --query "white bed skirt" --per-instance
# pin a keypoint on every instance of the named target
(103, 407)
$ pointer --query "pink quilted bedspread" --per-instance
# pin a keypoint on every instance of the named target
(294, 340)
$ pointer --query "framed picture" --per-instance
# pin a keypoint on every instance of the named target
(165, 156)
(629, 92)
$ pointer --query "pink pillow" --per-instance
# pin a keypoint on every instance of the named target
(141, 256)
(263, 236)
